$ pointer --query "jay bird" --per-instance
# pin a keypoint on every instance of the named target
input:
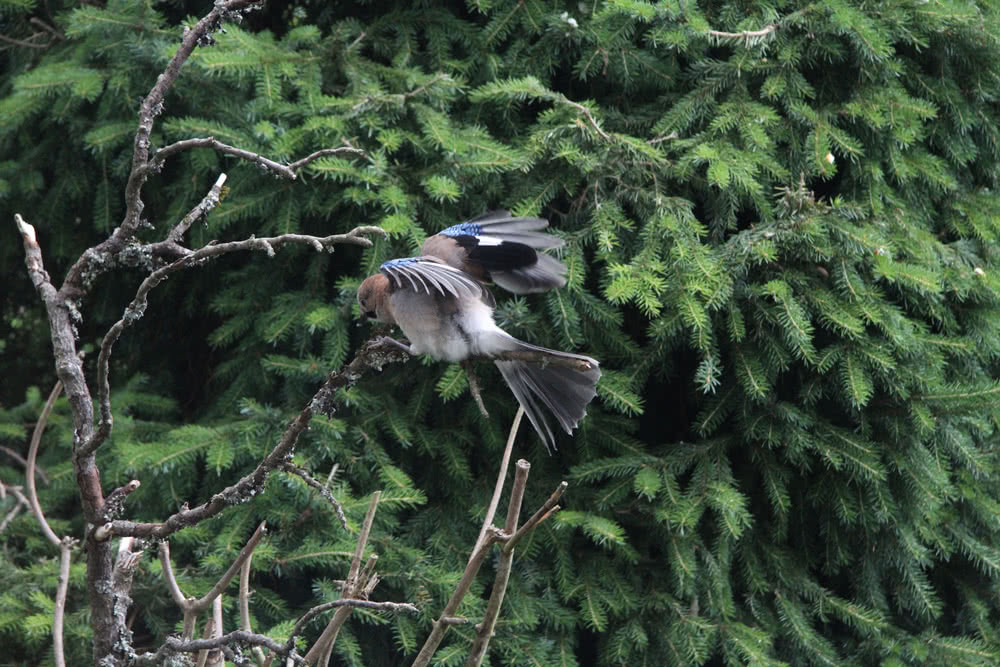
(447, 313)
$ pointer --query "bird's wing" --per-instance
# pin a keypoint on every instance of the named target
(500, 226)
(423, 274)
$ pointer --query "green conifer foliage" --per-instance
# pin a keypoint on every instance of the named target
(782, 245)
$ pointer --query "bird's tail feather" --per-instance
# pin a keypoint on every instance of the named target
(566, 392)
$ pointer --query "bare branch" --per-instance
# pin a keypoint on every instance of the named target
(484, 631)
(36, 438)
(55, 32)
(244, 600)
(324, 491)
(351, 588)
(22, 502)
(298, 164)
(20, 459)
(394, 607)
(59, 611)
(175, 645)
(441, 625)
(209, 202)
(538, 356)
(191, 605)
(470, 375)
(152, 106)
(137, 307)
(372, 355)
(501, 478)
(543, 512)
(289, 171)
(234, 568)
(168, 575)
(21, 42)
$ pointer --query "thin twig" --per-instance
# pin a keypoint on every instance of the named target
(470, 375)
(350, 589)
(590, 117)
(441, 624)
(285, 171)
(484, 631)
(324, 491)
(394, 607)
(20, 459)
(58, 34)
(22, 502)
(59, 611)
(501, 478)
(543, 513)
(203, 602)
(36, 438)
(245, 606)
(203, 208)
(21, 42)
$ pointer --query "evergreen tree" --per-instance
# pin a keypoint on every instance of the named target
(782, 245)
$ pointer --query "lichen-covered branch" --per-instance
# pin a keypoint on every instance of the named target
(223, 643)
(372, 355)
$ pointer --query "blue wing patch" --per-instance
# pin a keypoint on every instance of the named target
(463, 229)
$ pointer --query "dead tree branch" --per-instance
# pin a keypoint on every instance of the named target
(36, 439)
(289, 171)
(324, 491)
(192, 607)
(484, 631)
(223, 643)
(372, 355)
(501, 478)
(448, 617)
(353, 587)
